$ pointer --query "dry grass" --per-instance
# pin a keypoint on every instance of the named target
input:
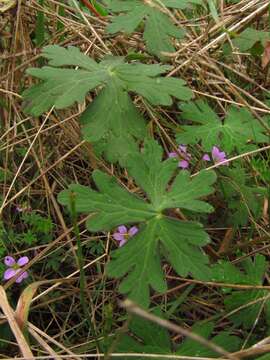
(43, 155)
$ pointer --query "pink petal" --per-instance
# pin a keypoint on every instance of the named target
(206, 157)
(23, 261)
(122, 242)
(215, 152)
(219, 158)
(172, 155)
(9, 261)
(122, 229)
(182, 148)
(183, 164)
(9, 273)
(132, 231)
(20, 278)
(118, 237)
(222, 156)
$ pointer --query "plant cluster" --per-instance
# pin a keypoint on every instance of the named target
(113, 118)
(160, 192)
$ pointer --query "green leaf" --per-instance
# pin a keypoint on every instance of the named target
(118, 128)
(38, 223)
(213, 10)
(100, 8)
(225, 272)
(158, 29)
(261, 166)
(116, 148)
(123, 124)
(224, 339)
(141, 79)
(152, 174)
(160, 236)
(182, 4)
(243, 198)
(264, 357)
(60, 88)
(112, 206)
(60, 56)
(140, 257)
(248, 316)
(252, 274)
(128, 22)
(234, 132)
(147, 337)
(249, 37)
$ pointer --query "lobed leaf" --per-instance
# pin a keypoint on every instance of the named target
(60, 56)
(112, 117)
(160, 236)
(234, 132)
(158, 29)
(112, 206)
(253, 275)
(242, 198)
(61, 88)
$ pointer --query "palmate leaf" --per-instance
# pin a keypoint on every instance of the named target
(140, 258)
(158, 30)
(150, 338)
(160, 236)
(112, 117)
(237, 129)
(243, 198)
(252, 274)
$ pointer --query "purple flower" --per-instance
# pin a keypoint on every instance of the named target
(183, 156)
(217, 156)
(23, 208)
(124, 234)
(14, 268)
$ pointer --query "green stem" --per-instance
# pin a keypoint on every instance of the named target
(80, 261)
